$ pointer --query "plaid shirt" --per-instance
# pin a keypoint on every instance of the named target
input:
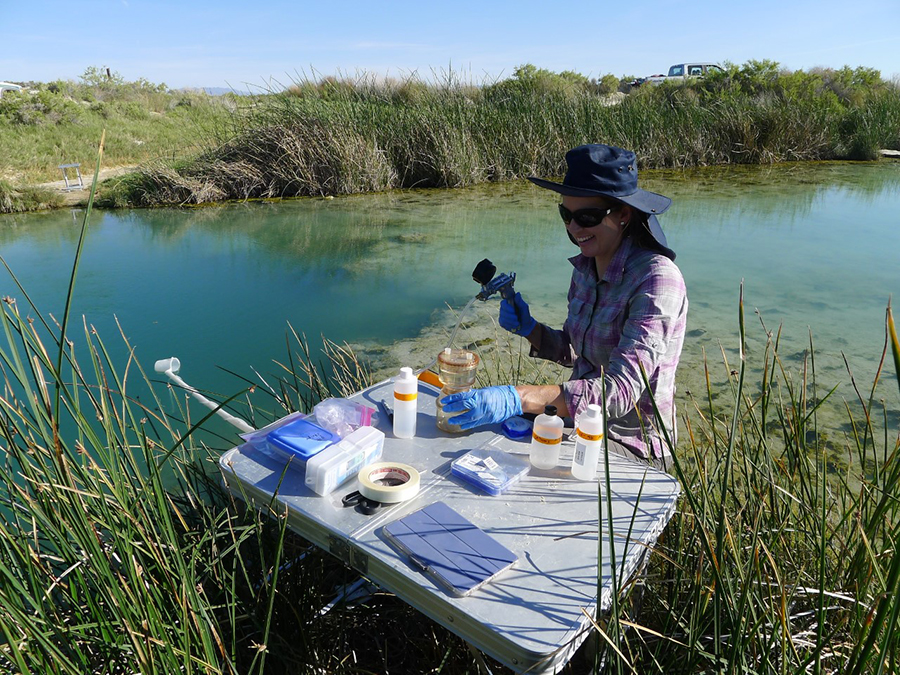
(635, 315)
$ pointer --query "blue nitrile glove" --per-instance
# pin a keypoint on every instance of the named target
(490, 405)
(515, 317)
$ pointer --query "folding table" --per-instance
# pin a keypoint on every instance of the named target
(530, 617)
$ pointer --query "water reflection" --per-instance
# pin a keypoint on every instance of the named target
(217, 286)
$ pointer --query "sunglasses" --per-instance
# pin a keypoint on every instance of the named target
(586, 217)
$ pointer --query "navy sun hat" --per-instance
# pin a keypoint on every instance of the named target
(597, 170)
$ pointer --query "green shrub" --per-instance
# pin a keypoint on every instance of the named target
(341, 134)
(21, 199)
(347, 135)
(528, 79)
(44, 107)
(608, 84)
(132, 110)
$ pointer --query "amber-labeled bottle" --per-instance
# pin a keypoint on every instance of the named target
(546, 438)
(406, 392)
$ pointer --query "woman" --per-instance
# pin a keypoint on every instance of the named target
(627, 313)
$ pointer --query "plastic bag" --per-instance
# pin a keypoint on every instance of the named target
(341, 416)
(258, 437)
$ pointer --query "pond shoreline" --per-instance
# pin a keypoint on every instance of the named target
(75, 198)
(115, 516)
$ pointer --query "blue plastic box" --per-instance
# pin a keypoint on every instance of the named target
(300, 440)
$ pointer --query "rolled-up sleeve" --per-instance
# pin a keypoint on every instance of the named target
(555, 346)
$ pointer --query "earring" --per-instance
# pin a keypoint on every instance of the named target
(622, 224)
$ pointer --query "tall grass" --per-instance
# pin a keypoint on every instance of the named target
(21, 199)
(774, 564)
(48, 124)
(357, 136)
(121, 552)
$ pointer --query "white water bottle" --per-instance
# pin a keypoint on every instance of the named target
(406, 391)
(588, 443)
(546, 439)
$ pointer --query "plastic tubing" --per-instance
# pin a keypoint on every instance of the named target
(169, 367)
(452, 336)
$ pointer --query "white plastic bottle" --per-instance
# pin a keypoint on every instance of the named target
(406, 391)
(588, 443)
(546, 439)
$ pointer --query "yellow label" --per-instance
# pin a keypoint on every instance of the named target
(589, 437)
(546, 441)
(406, 397)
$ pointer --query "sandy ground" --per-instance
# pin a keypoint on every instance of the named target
(76, 196)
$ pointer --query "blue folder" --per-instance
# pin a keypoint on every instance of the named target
(445, 545)
(301, 439)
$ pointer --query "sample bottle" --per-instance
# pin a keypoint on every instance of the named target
(406, 391)
(546, 439)
(457, 368)
(588, 443)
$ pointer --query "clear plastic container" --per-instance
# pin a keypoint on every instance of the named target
(546, 438)
(457, 369)
(490, 470)
(443, 418)
(334, 465)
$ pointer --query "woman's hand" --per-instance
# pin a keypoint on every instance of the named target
(515, 316)
(490, 405)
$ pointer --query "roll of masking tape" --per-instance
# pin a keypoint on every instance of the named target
(388, 482)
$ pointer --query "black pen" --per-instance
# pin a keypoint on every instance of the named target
(386, 411)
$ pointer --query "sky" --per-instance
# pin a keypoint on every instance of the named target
(270, 43)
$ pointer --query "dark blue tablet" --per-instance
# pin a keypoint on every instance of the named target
(445, 545)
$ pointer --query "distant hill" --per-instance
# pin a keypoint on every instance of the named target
(218, 91)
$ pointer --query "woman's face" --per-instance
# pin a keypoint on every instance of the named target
(603, 239)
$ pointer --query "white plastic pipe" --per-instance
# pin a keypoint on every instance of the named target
(169, 367)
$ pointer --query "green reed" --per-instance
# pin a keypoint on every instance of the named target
(773, 564)
(121, 552)
(345, 137)
(118, 552)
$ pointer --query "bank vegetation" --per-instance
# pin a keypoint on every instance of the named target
(121, 552)
(341, 135)
(346, 136)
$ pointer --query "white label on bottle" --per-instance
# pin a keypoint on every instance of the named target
(579, 454)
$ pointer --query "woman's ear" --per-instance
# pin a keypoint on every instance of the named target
(625, 214)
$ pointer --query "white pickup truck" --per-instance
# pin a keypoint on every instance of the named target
(684, 71)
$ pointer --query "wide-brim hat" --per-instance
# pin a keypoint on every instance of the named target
(598, 170)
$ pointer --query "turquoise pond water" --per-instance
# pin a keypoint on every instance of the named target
(816, 245)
